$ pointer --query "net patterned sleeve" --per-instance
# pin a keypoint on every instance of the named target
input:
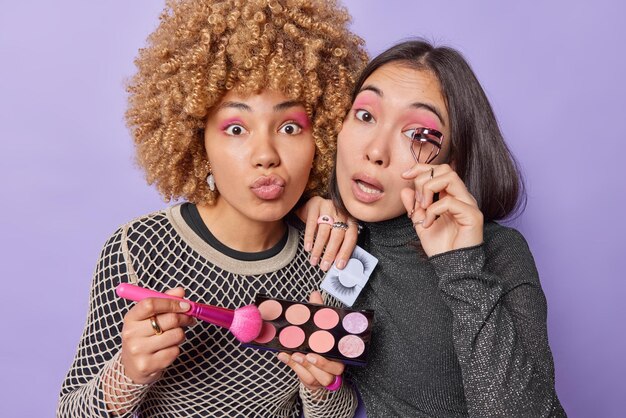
(97, 363)
(499, 326)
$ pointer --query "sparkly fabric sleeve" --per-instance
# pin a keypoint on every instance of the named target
(96, 378)
(499, 327)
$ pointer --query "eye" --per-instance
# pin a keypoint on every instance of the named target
(290, 128)
(235, 130)
(364, 116)
(409, 133)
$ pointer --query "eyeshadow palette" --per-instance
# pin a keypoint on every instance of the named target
(335, 333)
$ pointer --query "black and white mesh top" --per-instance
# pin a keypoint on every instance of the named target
(214, 376)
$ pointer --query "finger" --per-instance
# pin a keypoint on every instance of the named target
(168, 321)
(347, 246)
(295, 361)
(332, 247)
(319, 377)
(152, 306)
(448, 183)
(151, 343)
(323, 233)
(316, 297)
(416, 170)
(179, 292)
(407, 196)
(463, 214)
(322, 364)
(169, 338)
(310, 229)
(164, 358)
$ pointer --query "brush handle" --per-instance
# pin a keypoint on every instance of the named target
(222, 317)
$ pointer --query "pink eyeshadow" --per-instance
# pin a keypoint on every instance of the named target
(351, 346)
(321, 341)
(270, 310)
(291, 337)
(268, 331)
(355, 323)
(326, 318)
(230, 121)
(297, 314)
(300, 118)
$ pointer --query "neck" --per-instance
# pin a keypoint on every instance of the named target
(398, 231)
(237, 231)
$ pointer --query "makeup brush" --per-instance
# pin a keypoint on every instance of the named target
(244, 323)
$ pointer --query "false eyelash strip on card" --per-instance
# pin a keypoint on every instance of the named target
(346, 285)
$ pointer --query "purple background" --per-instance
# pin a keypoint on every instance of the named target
(554, 72)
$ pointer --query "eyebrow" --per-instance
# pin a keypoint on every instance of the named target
(415, 105)
(242, 106)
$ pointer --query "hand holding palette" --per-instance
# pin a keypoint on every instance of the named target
(335, 333)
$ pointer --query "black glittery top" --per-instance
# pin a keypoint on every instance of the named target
(459, 334)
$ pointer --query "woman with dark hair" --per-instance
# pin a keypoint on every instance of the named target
(460, 314)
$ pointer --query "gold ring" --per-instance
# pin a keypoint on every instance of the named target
(432, 172)
(155, 325)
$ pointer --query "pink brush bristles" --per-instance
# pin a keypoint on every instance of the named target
(247, 323)
(244, 323)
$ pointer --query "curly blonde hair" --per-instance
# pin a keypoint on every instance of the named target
(204, 48)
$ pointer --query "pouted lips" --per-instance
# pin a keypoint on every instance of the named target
(366, 189)
(268, 187)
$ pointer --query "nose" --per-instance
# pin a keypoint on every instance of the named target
(377, 149)
(264, 152)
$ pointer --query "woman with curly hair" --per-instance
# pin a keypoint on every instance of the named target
(234, 109)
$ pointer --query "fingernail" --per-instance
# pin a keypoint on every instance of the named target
(314, 261)
(311, 359)
(340, 264)
(283, 357)
(184, 306)
(406, 172)
(298, 359)
(308, 246)
(325, 265)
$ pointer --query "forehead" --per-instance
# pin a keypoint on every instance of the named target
(398, 81)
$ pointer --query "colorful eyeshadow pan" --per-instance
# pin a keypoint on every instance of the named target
(335, 333)
(355, 322)
(291, 337)
(321, 341)
(351, 346)
(297, 314)
(326, 318)
(268, 331)
(270, 310)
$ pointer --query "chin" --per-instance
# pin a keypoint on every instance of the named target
(270, 213)
(368, 212)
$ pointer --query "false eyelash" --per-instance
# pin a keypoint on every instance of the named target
(364, 260)
(339, 288)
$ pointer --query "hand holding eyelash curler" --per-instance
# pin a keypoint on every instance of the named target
(244, 323)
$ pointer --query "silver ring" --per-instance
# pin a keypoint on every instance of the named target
(340, 225)
(359, 227)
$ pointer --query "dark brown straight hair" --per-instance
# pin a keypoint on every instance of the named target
(478, 152)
